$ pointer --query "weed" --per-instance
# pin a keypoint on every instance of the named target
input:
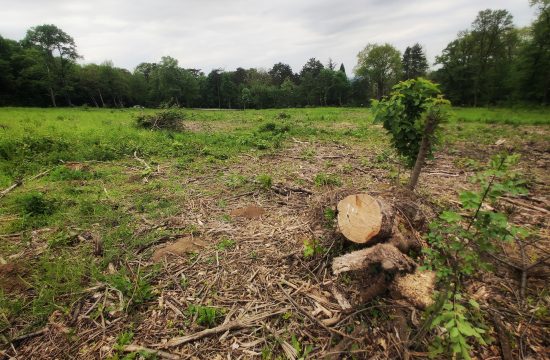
(225, 244)
(323, 179)
(265, 181)
(235, 181)
(312, 248)
(303, 351)
(136, 289)
(205, 315)
(35, 204)
(329, 214)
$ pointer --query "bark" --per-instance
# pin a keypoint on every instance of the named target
(101, 98)
(387, 256)
(429, 129)
(52, 96)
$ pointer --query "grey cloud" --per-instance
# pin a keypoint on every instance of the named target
(220, 33)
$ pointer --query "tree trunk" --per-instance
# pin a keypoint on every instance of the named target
(101, 98)
(52, 95)
(93, 100)
(431, 124)
(362, 218)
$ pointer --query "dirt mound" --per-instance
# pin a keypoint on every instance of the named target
(11, 278)
(183, 246)
(249, 212)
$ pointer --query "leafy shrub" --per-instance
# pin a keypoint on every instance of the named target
(36, 204)
(282, 116)
(170, 119)
(63, 173)
(265, 181)
(274, 128)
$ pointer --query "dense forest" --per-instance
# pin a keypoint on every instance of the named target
(493, 62)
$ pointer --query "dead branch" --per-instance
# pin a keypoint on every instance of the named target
(30, 335)
(238, 323)
(503, 339)
(20, 182)
(160, 353)
(313, 318)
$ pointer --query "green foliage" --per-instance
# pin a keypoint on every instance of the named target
(170, 119)
(312, 248)
(455, 318)
(205, 315)
(225, 244)
(63, 173)
(404, 112)
(329, 214)
(302, 351)
(458, 242)
(134, 287)
(234, 181)
(323, 179)
(380, 65)
(36, 204)
(274, 128)
(265, 181)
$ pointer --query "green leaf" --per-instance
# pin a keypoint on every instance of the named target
(466, 329)
(454, 332)
(450, 216)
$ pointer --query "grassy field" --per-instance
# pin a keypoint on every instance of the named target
(110, 184)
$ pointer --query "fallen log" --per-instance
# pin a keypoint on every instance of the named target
(362, 218)
(386, 255)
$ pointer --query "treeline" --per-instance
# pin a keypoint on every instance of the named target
(493, 62)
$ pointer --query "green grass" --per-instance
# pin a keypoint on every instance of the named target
(110, 193)
(508, 116)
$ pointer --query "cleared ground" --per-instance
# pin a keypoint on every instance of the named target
(80, 245)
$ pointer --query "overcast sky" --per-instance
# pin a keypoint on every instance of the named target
(209, 34)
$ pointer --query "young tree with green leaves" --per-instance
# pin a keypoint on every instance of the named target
(411, 115)
(459, 244)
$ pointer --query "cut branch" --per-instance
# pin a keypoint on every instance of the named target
(386, 255)
(239, 323)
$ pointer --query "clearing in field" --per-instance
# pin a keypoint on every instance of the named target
(216, 239)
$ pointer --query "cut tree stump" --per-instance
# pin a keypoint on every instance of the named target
(388, 256)
(362, 218)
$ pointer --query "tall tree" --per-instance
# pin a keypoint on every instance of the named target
(279, 72)
(477, 66)
(343, 69)
(381, 64)
(59, 50)
(414, 62)
(534, 60)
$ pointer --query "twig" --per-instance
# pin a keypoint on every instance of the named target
(502, 338)
(30, 335)
(238, 323)
(160, 353)
(20, 182)
(312, 318)
(147, 167)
